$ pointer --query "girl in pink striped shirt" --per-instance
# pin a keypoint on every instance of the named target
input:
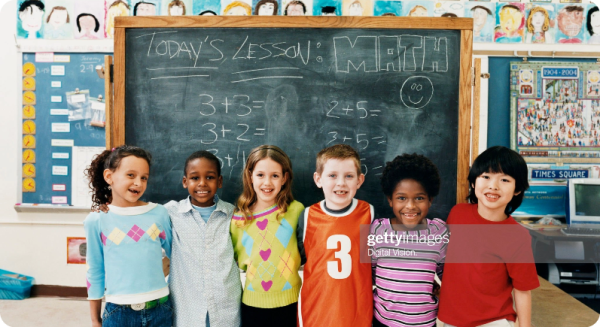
(407, 249)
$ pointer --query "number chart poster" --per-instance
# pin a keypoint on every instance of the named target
(555, 111)
(58, 137)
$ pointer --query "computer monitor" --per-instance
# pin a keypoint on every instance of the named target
(583, 206)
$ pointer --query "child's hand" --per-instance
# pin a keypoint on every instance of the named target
(97, 323)
(436, 289)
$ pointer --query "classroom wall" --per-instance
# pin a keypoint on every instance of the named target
(33, 244)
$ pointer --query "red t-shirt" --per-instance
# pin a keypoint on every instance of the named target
(484, 262)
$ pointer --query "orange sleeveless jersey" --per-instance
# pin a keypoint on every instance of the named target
(337, 288)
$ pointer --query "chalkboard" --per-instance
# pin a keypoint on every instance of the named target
(382, 90)
(53, 163)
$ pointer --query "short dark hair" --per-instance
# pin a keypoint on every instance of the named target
(500, 159)
(328, 10)
(483, 8)
(28, 3)
(140, 3)
(589, 20)
(449, 14)
(207, 12)
(572, 8)
(86, 14)
(411, 166)
(202, 154)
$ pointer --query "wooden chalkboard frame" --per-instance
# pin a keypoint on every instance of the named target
(465, 25)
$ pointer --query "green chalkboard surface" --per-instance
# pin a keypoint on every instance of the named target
(228, 90)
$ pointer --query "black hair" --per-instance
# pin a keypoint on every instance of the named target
(489, 12)
(500, 159)
(28, 3)
(86, 14)
(207, 12)
(202, 154)
(589, 20)
(411, 166)
(140, 3)
(109, 159)
(449, 14)
(328, 10)
(295, 2)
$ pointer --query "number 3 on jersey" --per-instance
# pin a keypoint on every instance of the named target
(343, 255)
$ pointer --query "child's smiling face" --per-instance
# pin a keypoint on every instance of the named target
(202, 181)
(128, 182)
(410, 204)
(339, 180)
(494, 191)
(267, 180)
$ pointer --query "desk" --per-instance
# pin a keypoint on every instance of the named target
(551, 307)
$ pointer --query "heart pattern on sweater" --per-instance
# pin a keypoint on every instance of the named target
(266, 285)
(262, 224)
(265, 254)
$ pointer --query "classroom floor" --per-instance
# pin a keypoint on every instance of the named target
(45, 312)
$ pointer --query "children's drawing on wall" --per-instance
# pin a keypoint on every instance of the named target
(357, 7)
(297, 7)
(593, 25)
(176, 7)
(114, 8)
(30, 16)
(327, 8)
(483, 20)
(417, 8)
(88, 20)
(510, 18)
(266, 7)
(570, 23)
(58, 19)
(540, 24)
(387, 8)
(593, 83)
(206, 7)
(236, 8)
(449, 9)
(146, 8)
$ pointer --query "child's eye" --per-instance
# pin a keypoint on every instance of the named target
(130, 175)
(145, 178)
(259, 175)
(349, 176)
(275, 176)
(194, 178)
(332, 175)
(401, 198)
(484, 177)
(419, 198)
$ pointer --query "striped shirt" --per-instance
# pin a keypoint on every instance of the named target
(404, 266)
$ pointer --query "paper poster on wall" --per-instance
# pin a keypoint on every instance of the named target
(570, 20)
(81, 195)
(592, 25)
(176, 7)
(417, 8)
(30, 17)
(387, 8)
(449, 9)
(145, 8)
(296, 7)
(510, 20)
(237, 7)
(327, 7)
(540, 26)
(265, 7)
(357, 7)
(114, 8)
(58, 24)
(89, 19)
(206, 8)
(553, 119)
(76, 250)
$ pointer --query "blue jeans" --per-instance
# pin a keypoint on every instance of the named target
(123, 316)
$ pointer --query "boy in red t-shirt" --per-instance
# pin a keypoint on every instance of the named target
(489, 255)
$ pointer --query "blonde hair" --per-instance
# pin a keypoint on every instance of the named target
(546, 19)
(177, 3)
(248, 196)
(338, 151)
(238, 4)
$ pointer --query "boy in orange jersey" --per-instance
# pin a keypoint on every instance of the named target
(337, 288)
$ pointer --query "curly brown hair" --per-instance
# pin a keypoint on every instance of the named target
(109, 159)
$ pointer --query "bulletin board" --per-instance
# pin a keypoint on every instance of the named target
(555, 111)
(60, 94)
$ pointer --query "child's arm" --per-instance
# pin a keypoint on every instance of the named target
(95, 308)
(523, 306)
(300, 237)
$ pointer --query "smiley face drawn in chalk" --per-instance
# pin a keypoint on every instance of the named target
(416, 92)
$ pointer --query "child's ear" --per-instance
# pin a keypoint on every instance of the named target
(184, 182)
(389, 198)
(285, 178)
(317, 178)
(220, 181)
(361, 180)
(107, 176)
